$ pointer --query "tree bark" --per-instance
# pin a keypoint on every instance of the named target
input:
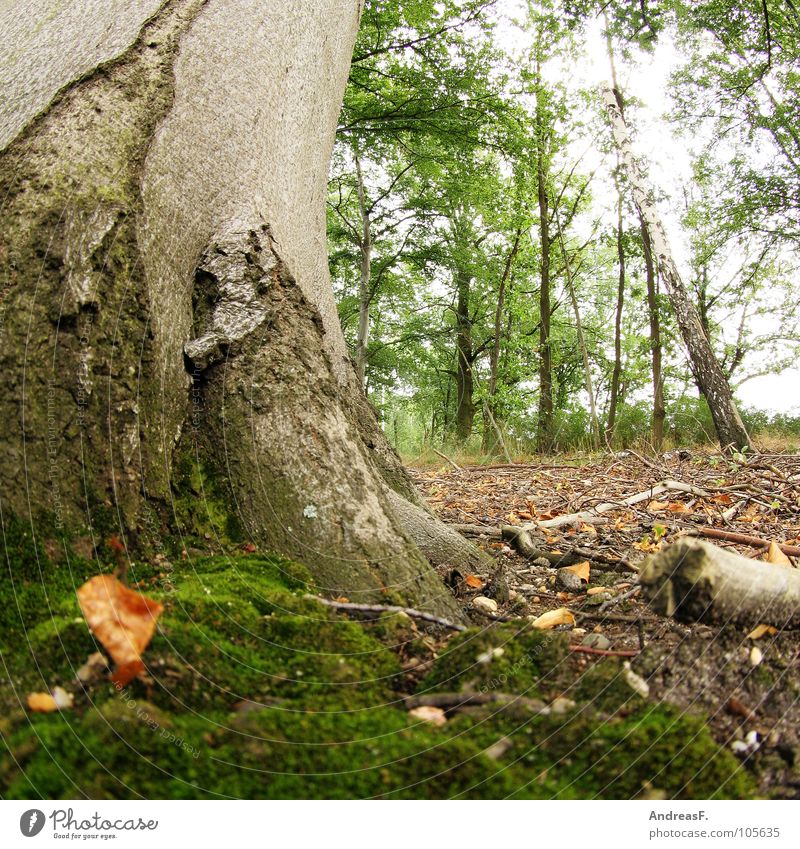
(707, 371)
(544, 437)
(166, 298)
(659, 410)
(465, 383)
(490, 418)
(694, 580)
(617, 371)
(364, 294)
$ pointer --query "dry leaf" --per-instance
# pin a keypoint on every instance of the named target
(657, 506)
(342, 599)
(428, 713)
(776, 556)
(678, 507)
(761, 631)
(597, 590)
(586, 528)
(123, 620)
(474, 581)
(580, 569)
(42, 703)
(559, 616)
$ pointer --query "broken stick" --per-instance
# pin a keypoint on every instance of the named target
(694, 580)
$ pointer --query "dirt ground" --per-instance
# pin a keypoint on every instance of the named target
(748, 687)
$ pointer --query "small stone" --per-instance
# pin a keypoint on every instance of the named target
(561, 705)
(484, 605)
(490, 655)
(513, 595)
(428, 713)
(636, 682)
(62, 698)
(596, 641)
(756, 656)
(535, 600)
(94, 668)
(526, 589)
(569, 580)
(542, 561)
(310, 511)
(498, 749)
(579, 632)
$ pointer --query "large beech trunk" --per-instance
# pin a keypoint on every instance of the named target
(166, 302)
(695, 580)
(707, 371)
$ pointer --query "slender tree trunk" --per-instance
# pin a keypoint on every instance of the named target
(617, 371)
(490, 414)
(587, 371)
(707, 370)
(659, 410)
(364, 293)
(544, 437)
(167, 308)
(465, 384)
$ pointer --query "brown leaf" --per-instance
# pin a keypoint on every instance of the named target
(249, 548)
(586, 528)
(762, 630)
(42, 703)
(428, 713)
(597, 590)
(722, 498)
(657, 506)
(678, 507)
(776, 556)
(123, 620)
(559, 616)
(580, 569)
(474, 581)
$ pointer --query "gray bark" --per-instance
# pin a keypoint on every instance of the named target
(695, 580)
(707, 370)
(165, 286)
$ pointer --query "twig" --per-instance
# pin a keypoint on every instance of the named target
(742, 539)
(451, 462)
(460, 700)
(612, 602)
(521, 540)
(605, 652)
(372, 609)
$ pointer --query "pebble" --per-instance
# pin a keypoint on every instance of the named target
(526, 589)
(756, 656)
(569, 580)
(596, 641)
(561, 705)
(484, 605)
(428, 713)
(490, 655)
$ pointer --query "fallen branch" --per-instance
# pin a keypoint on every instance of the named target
(451, 462)
(605, 652)
(455, 701)
(477, 531)
(742, 539)
(594, 512)
(377, 609)
(694, 580)
(524, 544)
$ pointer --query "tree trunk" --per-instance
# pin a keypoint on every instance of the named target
(167, 306)
(707, 371)
(587, 371)
(364, 294)
(694, 580)
(659, 410)
(544, 437)
(465, 384)
(617, 371)
(489, 418)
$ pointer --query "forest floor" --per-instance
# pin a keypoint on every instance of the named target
(746, 686)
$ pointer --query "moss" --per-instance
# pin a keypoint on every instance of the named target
(512, 657)
(255, 690)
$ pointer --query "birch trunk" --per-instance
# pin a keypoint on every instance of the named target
(707, 370)
(364, 294)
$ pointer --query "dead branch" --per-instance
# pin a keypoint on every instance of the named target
(370, 610)
(605, 652)
(451, 462)
(524, 544)
(455, 701)
(592, 514)
(694, 580)
(742, 539)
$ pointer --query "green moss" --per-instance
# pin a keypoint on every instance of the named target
(511, 657)
(254, 690)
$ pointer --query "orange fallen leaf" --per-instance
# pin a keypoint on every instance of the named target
(761, 631)
(678, 507)
(776, 556)
(559, 616)
(249, 548)
(123, 620)
(586, 528)
(474, 581)
(657, 506)
(596, 590)
(42, 703)
(580, 569)
(342, 599)
(722, 498)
